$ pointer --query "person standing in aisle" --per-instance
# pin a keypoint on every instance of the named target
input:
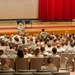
(20, 29)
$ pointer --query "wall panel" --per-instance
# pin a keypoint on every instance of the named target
(15, 9)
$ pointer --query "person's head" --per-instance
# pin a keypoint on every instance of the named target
(11, 47)
(31, 39)
(16, 39)
(23, 41)
(1, 52)
(58, 46)
(20, 24)
(20, 54)
(54, 50)
(42, 49)
(25, 51)
(71, 44)
(6, 62)
(43, 30)
(49, 60)
(2, 43)
(37, 51)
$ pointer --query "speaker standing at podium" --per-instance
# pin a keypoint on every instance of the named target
(20, 29)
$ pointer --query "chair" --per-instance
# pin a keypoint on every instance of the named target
(6, 74)
(28, 22)
(19, 21)
(63, 60)
(11, 60)
(42, 73)
(36, 63)
(22, 64)
(24, 73)
(7, 71)
(70, 64)
(74, 64)
(33, 70)
(56, 62)
(61, 73)
(12, 63)
(0, 62)
(59, 53)
(72, 73)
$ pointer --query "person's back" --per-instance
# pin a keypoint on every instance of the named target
(43, 34)
(26, 54)
(5, 65)
(50, 66)
(37, 54)
(2, 55)
(54, 53)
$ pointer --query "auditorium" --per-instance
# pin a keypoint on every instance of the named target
(37, 37)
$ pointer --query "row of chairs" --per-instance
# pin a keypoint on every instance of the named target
(63, 63)
(32, 63)
(36, 63)
(37, 73)
(26, 22)
(66, 61)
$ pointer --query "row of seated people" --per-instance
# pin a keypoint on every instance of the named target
(36, 53)
(5, 65)
(36, 63)
(42, 45)
(5, 69)
(11, 45)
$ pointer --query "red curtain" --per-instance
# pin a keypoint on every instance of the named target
(46, 9)
(56, 9)
(41, 11)
(52, 10)
(59, 9)
(73, 9)
(67, 9)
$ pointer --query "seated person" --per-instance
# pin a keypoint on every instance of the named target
(20, 54)
(54, 53)
(2, 55)
(5, 65)
(50, 66)
(37, 54)
(26, 54)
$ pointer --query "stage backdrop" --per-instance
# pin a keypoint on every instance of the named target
(56, 9)
(18, 9)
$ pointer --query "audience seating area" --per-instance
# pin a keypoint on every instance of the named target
(31, 65)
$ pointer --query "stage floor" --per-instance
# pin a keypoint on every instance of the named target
(57, 27)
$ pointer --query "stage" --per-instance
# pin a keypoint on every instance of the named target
(9, 28)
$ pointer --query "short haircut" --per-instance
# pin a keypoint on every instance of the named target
(54, 50)
(43, 29)
(49, 60)
(1, 52)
